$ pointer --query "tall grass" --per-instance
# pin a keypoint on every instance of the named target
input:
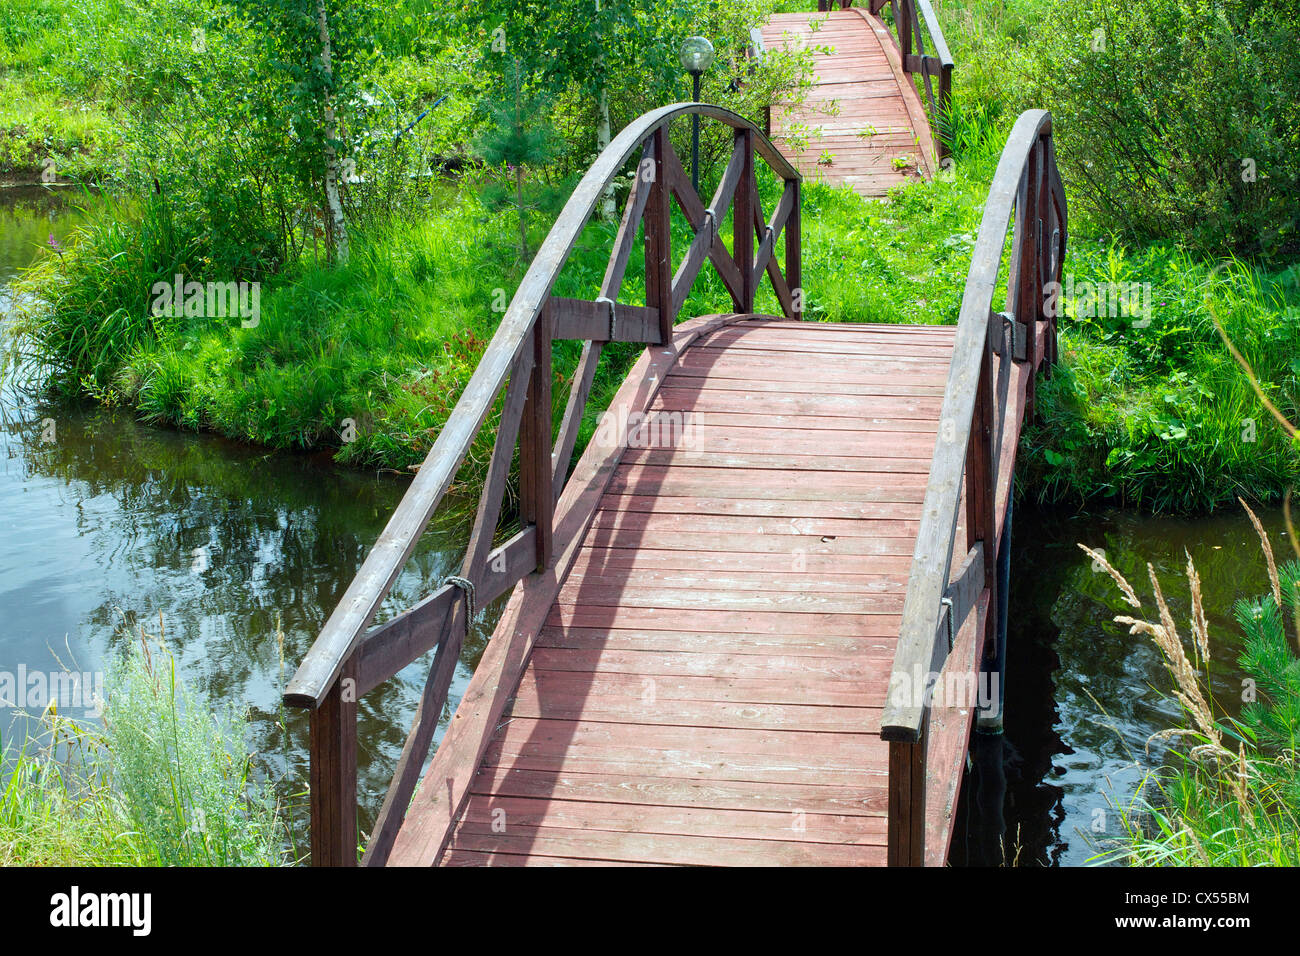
(167, 781)
(1229, 793)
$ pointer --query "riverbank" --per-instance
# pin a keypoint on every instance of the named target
(366, 360)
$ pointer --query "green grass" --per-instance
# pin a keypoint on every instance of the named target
(167, 781)
(1158, 417)
(57, 102)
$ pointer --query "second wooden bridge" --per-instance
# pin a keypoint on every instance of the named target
(745, 628)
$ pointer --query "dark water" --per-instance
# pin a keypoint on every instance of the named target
(111, 523)
(1083, 696)
(107, 522)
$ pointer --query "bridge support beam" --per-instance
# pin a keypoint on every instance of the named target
(989, 719)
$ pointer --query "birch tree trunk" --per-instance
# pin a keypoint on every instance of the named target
(608, 208)
(337, 233)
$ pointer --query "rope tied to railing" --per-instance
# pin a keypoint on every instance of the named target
(613, 316)
(466, 585)
(947, 602)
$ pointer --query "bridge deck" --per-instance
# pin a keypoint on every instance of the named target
(700, 679)
(862, 75)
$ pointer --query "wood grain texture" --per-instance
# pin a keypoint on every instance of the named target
(701, 679)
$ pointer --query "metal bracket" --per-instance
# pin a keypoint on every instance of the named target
(712, 222)
(613, 316)
(1018, 335)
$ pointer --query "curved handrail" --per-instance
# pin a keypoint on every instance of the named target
(967, 451)
(347, 660)
(932, 559)
(908, 33)
(344, 628)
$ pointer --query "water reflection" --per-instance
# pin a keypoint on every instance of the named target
(1084, 696)
(243, 552)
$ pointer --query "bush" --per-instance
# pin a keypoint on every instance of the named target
(165, 782)
(181, 766)
(1159, 415)
(1177, 119)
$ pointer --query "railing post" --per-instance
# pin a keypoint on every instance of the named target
(658, 234)
(905, 839)
(536, 500)
(904, 29)
(333, 773)
(1027, 295)
(794, 253)
(981, 470)
(742, 218)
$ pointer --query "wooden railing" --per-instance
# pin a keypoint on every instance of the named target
(350, 658)
(908, 17)
(973, 423)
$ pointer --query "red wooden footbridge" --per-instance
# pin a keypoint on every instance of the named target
(732, 628)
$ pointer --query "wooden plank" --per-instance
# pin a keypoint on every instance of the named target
(509, 813)
(664, 849)
(584, 319)
(742, 241)
(750, 754)
(428, 822)
(595, 594)
(658, 238)
(784, 485)
(754, 543)
(802, 691)
(536, 481)
(682, 641)
(949, 739)
(794, 251)
(761, 622)
(477, 858)
(799, 463)
(332, 779)
(817, 566)
(648, 790)
(633, 709)
(657, 523)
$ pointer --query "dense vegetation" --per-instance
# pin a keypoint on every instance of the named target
(375, 348)
(368, 355)
(386, 202)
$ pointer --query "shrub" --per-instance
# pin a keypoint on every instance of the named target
(182, 769)
(1177, 119)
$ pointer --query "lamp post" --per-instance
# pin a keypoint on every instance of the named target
(696, 56)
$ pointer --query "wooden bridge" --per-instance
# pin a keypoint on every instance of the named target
(734, 627)
(864, 123)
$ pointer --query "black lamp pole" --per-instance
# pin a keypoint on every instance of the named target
(695, 133)
(695, 55)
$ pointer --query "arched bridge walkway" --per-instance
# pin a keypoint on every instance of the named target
(725, 622)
